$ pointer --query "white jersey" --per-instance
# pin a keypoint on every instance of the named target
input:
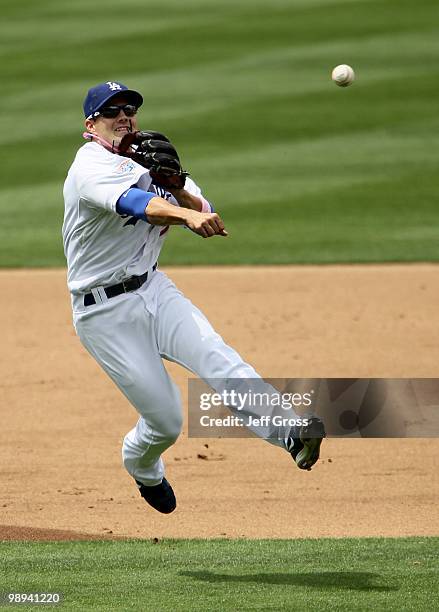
(102, 247)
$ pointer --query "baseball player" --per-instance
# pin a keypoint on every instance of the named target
(123, 191)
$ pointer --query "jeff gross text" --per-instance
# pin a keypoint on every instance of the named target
(249, 421)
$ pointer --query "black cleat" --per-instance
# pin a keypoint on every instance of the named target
(161, 497)
(305, 450)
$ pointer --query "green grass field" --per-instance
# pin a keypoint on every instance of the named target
(302, 171)
(194, 575)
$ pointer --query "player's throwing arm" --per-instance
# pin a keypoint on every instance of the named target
(160, 212)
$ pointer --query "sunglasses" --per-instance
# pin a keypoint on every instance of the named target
(111, 112)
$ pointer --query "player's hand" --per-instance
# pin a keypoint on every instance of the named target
(205, 224)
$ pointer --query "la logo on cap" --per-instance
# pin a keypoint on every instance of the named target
(114, 86)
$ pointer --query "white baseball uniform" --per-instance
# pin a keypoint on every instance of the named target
(130, 334)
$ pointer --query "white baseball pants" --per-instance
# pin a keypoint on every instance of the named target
(129, 335)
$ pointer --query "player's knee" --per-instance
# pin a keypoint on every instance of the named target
(172, 427)
(167, 422)
(221, 361)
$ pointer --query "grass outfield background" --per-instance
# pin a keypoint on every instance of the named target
(301, 171)
(346, 574)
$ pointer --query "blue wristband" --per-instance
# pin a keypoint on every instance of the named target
(133, 202)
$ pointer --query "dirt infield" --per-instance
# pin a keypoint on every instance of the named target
(63, 421)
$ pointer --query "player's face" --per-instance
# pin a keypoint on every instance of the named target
(113, 129)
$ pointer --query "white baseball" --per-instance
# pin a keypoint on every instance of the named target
(343, 75)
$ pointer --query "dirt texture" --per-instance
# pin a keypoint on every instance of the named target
(63, 420)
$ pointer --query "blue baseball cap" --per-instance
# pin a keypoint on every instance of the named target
(98, 95)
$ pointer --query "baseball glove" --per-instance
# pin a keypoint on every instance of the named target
(154, 151)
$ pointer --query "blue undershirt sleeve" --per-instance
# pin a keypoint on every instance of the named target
(133, 202)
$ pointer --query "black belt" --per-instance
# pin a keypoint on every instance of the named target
(130, 284)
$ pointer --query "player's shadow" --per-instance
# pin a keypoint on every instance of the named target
(356, 581)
